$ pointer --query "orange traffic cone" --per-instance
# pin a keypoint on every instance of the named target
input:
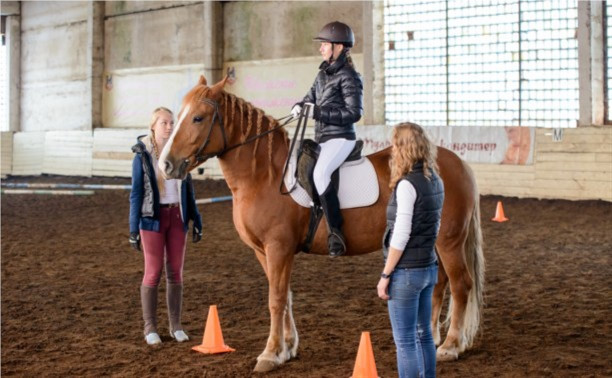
(499, 213)
(365, 367)
(212, 342)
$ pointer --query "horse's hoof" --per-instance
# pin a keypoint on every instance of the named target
(264, 366)
(446, 355)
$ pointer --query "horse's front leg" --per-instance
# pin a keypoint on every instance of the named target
(289, 329)
(279, 263)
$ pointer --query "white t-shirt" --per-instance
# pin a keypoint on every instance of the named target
(406, 197)
(171, 194)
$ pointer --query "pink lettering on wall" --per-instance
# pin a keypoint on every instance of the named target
(375, 145)
(286, 102)
(257, 84)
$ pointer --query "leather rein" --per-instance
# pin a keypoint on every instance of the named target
(217, 117)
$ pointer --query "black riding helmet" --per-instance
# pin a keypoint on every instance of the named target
(336, 32)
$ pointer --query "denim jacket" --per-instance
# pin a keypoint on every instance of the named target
(144, 215)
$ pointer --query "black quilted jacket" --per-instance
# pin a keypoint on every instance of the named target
(337, 93)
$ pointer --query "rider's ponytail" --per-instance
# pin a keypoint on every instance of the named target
(349, 59)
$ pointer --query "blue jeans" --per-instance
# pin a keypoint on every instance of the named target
(410, 293)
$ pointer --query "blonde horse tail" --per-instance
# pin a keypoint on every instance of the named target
(475, 262)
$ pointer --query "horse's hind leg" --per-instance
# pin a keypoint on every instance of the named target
(278, 265)
(451, 254)
(437, 303)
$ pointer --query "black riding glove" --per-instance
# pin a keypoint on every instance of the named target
(197, 235)
(135, 240)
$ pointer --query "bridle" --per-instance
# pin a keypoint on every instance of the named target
(200, 158)
(216, 115)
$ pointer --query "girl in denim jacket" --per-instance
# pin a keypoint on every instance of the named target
(160, 211)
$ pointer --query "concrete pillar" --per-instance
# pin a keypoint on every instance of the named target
(368, 64)
(584, 63)
(95, 59)
(598, 67)
(213, 41)
(377, 29)
(12, 9)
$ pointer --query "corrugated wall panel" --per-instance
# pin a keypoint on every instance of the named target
(7, 153)
(28, 153)
(68, 153)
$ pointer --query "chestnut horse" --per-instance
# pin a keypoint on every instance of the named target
(212, 122)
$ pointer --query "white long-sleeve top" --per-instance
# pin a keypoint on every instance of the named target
(406, 197)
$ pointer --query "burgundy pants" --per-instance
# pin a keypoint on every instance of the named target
(169, 242)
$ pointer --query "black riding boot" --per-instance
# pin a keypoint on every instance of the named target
(331, 209)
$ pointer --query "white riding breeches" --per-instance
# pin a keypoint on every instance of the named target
(332, 155)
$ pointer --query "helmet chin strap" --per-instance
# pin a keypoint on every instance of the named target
(331, 58)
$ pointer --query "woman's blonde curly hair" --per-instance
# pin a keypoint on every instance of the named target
(409, 145)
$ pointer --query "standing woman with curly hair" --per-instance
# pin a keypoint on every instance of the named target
(411, 266)
(160, 211)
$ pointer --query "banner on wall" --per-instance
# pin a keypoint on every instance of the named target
(130, 95)
(491, 145)
(276, 85)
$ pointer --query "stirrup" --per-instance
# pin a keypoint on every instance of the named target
(336, 245)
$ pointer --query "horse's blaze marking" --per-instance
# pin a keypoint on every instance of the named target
(166, 150)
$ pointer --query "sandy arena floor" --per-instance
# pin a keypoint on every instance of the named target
(70, 302)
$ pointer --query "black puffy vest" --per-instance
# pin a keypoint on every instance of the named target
(420, 250)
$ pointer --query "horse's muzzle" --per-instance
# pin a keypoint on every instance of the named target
(168, 168)
(172, 172)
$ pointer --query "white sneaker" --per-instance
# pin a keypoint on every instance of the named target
(153, 338)
(179, 336)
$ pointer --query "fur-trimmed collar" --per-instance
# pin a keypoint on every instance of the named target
(143, 144)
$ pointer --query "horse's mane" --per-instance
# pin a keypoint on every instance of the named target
(249, 116)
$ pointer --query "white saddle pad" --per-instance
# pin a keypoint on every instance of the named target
(358, 184)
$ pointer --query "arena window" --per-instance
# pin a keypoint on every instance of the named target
(608, 41)
(4, 76)
(474, 63)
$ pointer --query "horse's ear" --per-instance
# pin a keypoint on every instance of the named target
(202, 80)
(217, 88)
(230, 78)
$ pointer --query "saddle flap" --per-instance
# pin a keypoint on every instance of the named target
(358, 182)
(356, 153)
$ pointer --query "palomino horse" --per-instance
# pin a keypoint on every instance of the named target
(212, 122)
